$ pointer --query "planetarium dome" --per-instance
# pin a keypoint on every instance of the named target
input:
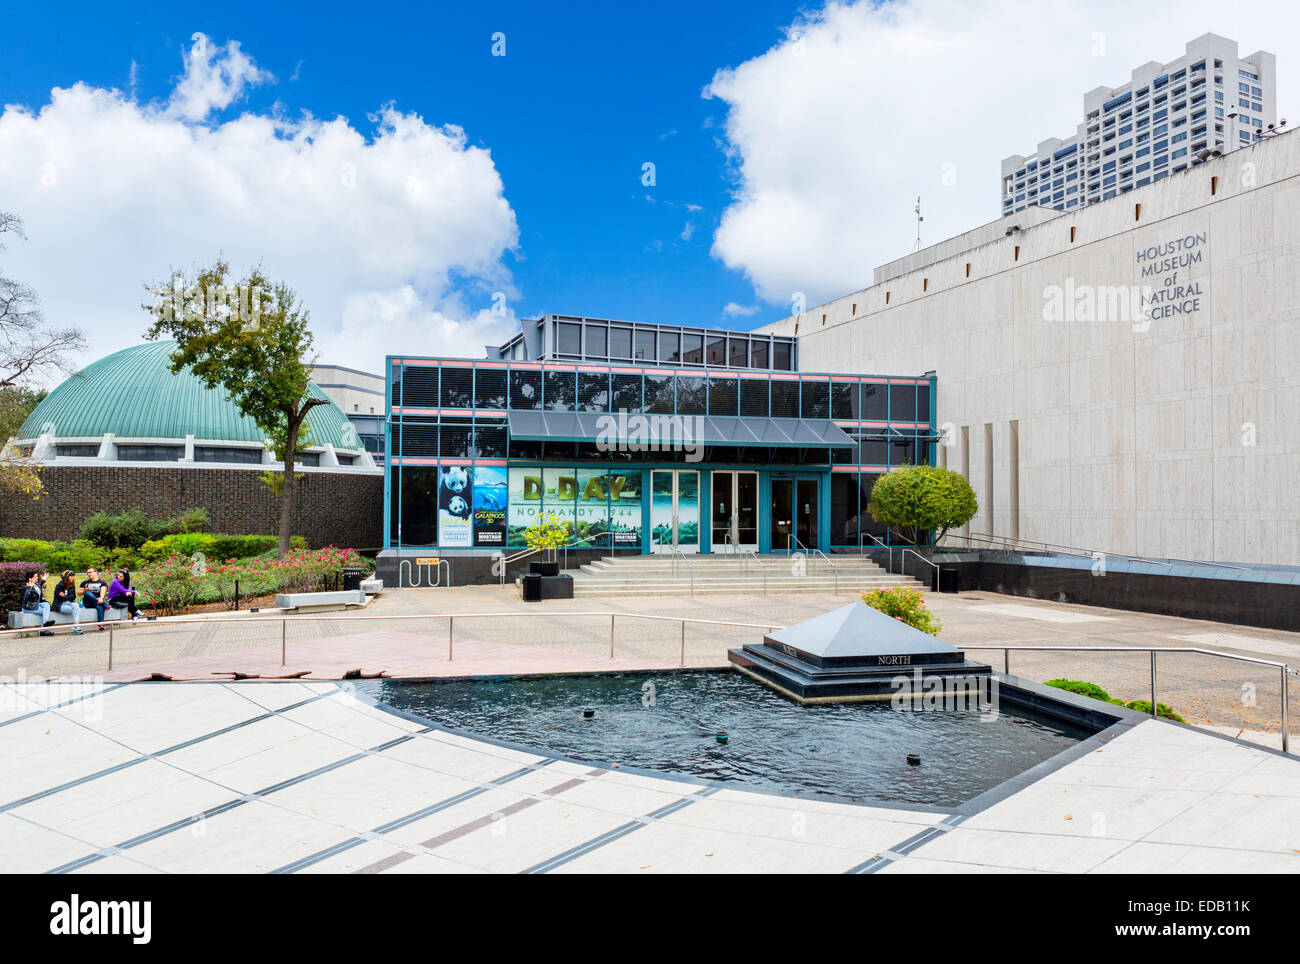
(131, 407)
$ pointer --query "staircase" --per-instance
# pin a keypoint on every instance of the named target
(774, 574)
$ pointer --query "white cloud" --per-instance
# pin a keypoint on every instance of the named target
(395, 236)
(733, 310)
(215, 77)
(835, 131)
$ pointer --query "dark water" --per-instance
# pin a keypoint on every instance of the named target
(668, 722)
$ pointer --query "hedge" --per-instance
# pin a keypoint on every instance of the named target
(132, 529)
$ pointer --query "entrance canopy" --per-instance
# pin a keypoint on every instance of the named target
(685, 429)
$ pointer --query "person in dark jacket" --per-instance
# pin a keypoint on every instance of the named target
(65, 599)
(33, 600)
(121, 595)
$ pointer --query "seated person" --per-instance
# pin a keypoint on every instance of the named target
(33, 600)
(65, 599)
(121, 595)
(94, 593)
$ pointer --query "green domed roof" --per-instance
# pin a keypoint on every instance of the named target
(133, 394)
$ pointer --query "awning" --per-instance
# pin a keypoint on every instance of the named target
(666, 430)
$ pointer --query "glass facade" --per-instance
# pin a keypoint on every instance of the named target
(480, 450)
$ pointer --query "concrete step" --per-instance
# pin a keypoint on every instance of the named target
(701, 589)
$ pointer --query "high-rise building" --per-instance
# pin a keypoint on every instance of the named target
(1160, 122)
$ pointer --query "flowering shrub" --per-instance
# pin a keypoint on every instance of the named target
(180, 581)
(905, 605)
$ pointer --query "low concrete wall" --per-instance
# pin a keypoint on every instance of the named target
(1245, 602)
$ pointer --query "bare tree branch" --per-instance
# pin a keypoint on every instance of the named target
(27, 347)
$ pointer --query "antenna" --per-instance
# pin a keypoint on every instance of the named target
(919, 219)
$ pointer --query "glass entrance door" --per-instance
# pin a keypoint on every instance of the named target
(794, 514)
(674, 510)
(735, 511)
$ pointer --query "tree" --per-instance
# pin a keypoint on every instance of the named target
(19, 475)
(15, 405)
(251, 339)
(27, 347)
(922, 498)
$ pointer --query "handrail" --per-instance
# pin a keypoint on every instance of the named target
(793, 540)
(451, 618)
(1285, 670)
(1007, 542)
(506, 560)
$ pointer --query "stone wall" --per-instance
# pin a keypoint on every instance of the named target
(339, 508)
(1170, 436)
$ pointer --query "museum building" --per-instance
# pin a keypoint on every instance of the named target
(641, 438)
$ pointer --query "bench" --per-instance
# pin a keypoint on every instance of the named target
(305, 602)
(22, 620)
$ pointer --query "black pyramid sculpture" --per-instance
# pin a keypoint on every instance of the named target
(850, 653)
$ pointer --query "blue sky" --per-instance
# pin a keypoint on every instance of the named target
(585, 95)
(185, 130)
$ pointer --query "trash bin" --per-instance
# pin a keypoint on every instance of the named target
(948, 578)
(532, 587)
(352, 578)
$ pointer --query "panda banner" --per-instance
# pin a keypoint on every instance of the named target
(455, 498)
(490, 500)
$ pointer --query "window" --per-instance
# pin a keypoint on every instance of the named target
(561, 393)
(645, 346)
(781, 360)
(670, 346)
(593, 392)
(525, 389)
(717, 354)
(758, 353)
(659, 394)
(693, 349)
(785, 399)
(753, 397)
(902, 403)
(626, 393)
(149, 453)
(875, 402)
(691, 393)
(597, 341)
(815, 400)
(620, 343)
(90, 450)
(568, 338)
(489, 388)
(737, 351)
(723, 395)
(225, 453)
(843, 395)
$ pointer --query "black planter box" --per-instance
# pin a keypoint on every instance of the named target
(538, 587)
(544, 568)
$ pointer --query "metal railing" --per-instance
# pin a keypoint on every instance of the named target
(451, 618)
(506, 560)
(1007, 543)
(1283, 670)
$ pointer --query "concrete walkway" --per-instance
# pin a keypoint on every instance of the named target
(305, 778)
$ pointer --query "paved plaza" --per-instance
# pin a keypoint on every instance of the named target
(290, 777)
